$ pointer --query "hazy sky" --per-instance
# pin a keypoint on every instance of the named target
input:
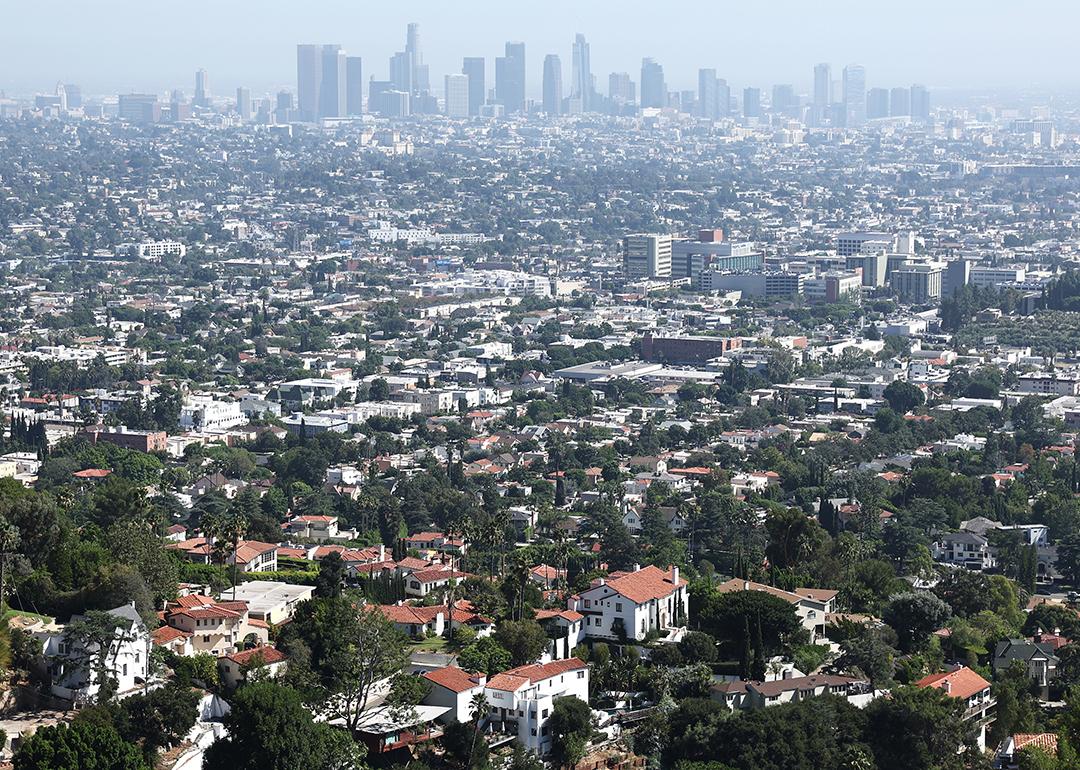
(111, 46)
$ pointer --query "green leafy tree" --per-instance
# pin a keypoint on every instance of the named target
(571, 728)
(84, 745)
(919, 729)
(486, 655)
(914, 615)
(270, 729)
(525, 640)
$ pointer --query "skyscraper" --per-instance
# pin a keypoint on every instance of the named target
(202, 88)
(581, 86)
(822, 91)
(457, 96)
(320, 81)
(877, 103)
(474, 66)
(751, 102)
(418, 71)
(243, 103)
(653, 87)
(510, 78)
(723, 98)
(784, 100)
(74, 96)
(354, 85)
(920, 102)
(854, 95)
(708, 94)
(401, 72)
(552, 84)
(899, 102)
(621, 88)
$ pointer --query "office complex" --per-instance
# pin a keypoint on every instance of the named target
(243, 103)
(854, 95)
(899, 102)
(822, 92)
(139, 108)
(473, 67)
(653, 87)
(202, 89)
(877, 103)
(920, 102)
(457, 96)
(751, 103)
(646, 256)
(552, 85)
(321, 78)
(708, 94)
(918, 283)
(621, 89)
(510, 78)
(582, 87)
(354, 85)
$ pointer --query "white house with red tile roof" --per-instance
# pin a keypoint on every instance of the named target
(570, 624)
(318, 528)
(416, 622)
(453, 688)
(633, 604)
(521, 700)
(422, 583)
(968, 686)
(209, 625)
(233, 669)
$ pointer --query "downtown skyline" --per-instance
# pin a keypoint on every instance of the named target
(264, 63)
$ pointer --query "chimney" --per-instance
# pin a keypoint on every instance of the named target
(675, 576)
(382, 552)
(637, 568)
(746, 585)
(947, 686)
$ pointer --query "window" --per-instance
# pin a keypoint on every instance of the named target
(544, 713)
(588, 603)
(580, 674)
(618, 606)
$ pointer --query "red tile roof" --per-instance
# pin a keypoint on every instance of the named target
(268, 655)
(645, 584)
(962, 683)
(511, 680)
(454, 678)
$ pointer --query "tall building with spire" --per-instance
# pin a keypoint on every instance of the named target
(582, 86)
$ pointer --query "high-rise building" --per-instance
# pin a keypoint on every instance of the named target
(283, 107)
(243, 103)
(920, 102)
(899, 102)
(784, 100)
(202, 89)
(552, 84)
(822, 91)
(74, 96)
(581, 86)
(354, 85)
(708, 94)
(320, 81)
(473, 67)
(139, 108)
(877, 103)
(457, 96)
(418, 71)
(653, 87)
(647, 256)
(751, 102)
(854, 95)
(918, 283)
(401, 72)
(510, 78)
(621, 89)
(723, 98)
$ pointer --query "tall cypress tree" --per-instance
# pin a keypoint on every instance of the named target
(744, 664)
(758, 671)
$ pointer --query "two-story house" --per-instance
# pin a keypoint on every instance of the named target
(633, 605)
(72, 657)
(454, 688)
(520, 700)
(812, 605)
(973, 690)
(964, 549)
